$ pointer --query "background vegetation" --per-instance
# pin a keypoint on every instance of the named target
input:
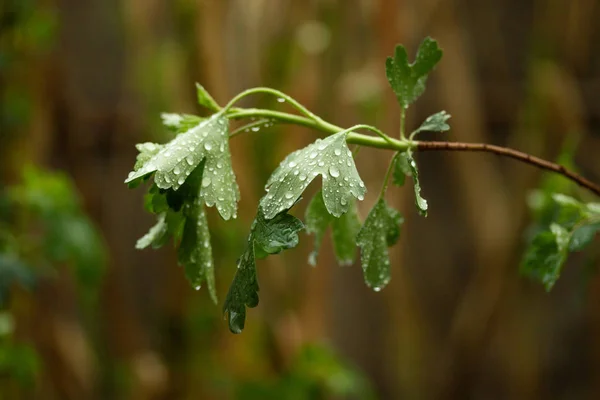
(84, 315)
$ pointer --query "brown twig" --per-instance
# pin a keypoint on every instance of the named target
(517, 155)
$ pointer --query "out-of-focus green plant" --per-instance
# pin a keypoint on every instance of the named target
(42, 228)
(194, 171)
(315, 373)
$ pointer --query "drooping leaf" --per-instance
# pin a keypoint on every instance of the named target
(408, 80)
(176, 160)
(180, 123)
(330, 158)
(420, 202)
(195, 251)
(380, 231)
(546, 255)
(401, 169)
(344, 230)
(205, 99)
(155, 235)
(267, 236)
(435, 123)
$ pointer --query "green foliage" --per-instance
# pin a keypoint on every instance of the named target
(194, 170)
(434, 123)
(267, 236)
(175, 161)
(330, 158)
(48, 201)
(316, 372)
(405, 165)
(380, 231)
(408, 80)
(205, 99)
(343, 229)
(567, 225)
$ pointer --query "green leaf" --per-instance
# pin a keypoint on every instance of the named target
(420, 202)
(195, 251)
(401, 169)
(380, 231)
(344, 230)
(408, 80)
(330, 158)
(583, 235)
(180, 123)
(176, 160)
(205, 99)
(266, 237)
(434, 123)
(146, 152)
(546, 255)
(155, 235)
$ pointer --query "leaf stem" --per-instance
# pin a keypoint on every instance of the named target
(403, 145)
(280, 95)
(402, 118)
(386, 179)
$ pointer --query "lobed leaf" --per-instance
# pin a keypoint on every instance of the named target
(344, 230)
(408, 80)
(175, 161)
(328, 157)
(380, 231)
(267, 236)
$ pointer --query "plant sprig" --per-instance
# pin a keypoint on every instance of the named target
(194, 171)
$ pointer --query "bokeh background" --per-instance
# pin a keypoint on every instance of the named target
(86, 316)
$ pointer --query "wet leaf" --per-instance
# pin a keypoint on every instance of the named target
(266, 237)
(408, 80)
(330, 158)
(546, 255)
(401, 169)
(180, 123)
(420, 202)
(380, 231)
(435, 123)
(176, 160)
(344, 230)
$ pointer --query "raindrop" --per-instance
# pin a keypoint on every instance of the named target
(181, 180)
(302, 177)
(361, 184)
(333, 171)
(176, 171)
(197, 287)
(219, 164)
(207, 146)
(337, 152)
(289, 195)
(321, 163)
(313, 154)
(281, 100)
(361, 197)
(292, 164)
(190, 160)
(255, 129)
(343, 201)
(377, 289)
(205, 181)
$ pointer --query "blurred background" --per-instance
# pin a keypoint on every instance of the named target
(86, 316)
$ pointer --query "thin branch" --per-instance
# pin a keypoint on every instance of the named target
(517, 155)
